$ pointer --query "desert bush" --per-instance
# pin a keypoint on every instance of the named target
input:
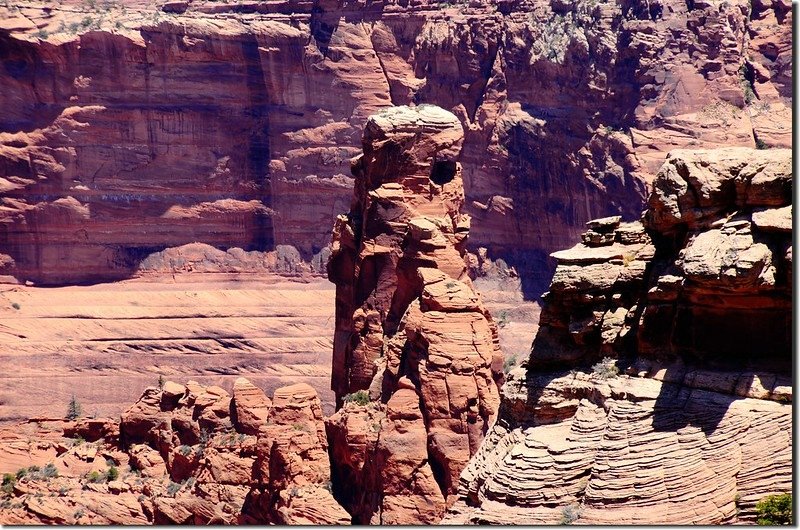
(775, 510)
(173, 488)
(359, 398)
(509, 363)
(606, 369)
(8, 483)
(49, 471)
(502, 319)
(73, 409)
(570, 514)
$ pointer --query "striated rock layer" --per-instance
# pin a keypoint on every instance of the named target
(416, 355)
(125, 131)
(694, 305)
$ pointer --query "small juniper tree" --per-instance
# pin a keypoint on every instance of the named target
(775, 510)
(74, 409)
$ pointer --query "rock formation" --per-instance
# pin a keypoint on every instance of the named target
(694, 304)
(415, 354)
(126, 131)
(182, 454)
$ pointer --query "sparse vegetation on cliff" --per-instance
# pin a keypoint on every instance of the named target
(73, 409)
(775, 510)
(605, 369)
(570, 514)
(359, 398)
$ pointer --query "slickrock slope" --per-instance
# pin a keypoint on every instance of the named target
(126, 130)
(182, 454)
(416, 356)
(104, 343)
(694, 305)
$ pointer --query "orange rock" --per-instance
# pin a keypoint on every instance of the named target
(410, 327)
(251, 406)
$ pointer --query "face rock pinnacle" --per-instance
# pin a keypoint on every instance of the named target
(416, 356)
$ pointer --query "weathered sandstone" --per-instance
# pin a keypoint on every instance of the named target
(415, 351)
(694, 305)
(182, 454)
(126, 132)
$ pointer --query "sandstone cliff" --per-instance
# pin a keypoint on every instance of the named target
(125, 130)
(693, 305)
(416, 355)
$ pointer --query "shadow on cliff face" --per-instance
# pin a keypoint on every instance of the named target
(21, 65)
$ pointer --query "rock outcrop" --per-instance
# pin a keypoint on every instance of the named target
(416, 356)
(127, 130)
(182, 454)
(693, 304)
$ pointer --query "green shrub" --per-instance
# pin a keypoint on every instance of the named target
(86, 22)
(42, 34)
(73, 409)
(761, 144)
(359, 398)
(606, 369)
(747, 85)
(173, 488)
(509, 364)
(49, 471)
(185, 450)
(502, 319)
(8, 482)
(112, 473)
(96, 477)
(21, 473)
(775, 510)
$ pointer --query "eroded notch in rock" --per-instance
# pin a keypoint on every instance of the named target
(443, 172)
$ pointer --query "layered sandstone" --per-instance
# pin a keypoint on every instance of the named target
(127, 130)
(103, 343)
(416, 355)
(182, 454)
(693, 304)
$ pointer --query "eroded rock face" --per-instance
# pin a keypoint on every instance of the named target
(694, 305)
(183, 454)
(415, 354)
(232, 125)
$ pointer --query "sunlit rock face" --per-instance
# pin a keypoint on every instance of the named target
(232, 125)
(693, 305)
(416, 355)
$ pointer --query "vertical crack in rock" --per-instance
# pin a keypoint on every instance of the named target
(416, 355)
(258, 149)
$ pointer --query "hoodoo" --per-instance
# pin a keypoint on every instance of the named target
(416, 357)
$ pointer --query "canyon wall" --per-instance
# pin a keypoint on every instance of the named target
(652, 393)
(125, 130)
(693, 305)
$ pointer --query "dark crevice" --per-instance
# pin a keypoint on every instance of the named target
(258, 148)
